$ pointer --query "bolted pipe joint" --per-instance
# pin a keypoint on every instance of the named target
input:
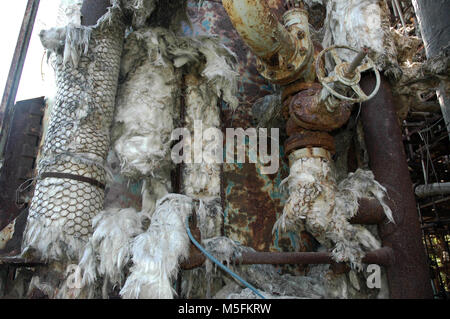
(284, 52)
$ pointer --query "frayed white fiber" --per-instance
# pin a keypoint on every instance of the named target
(311, 195)
(148, 101)
(44, 237)
(146, 107)
(76, 43)
(109, 249)
(202, 179)
(142, 10)
(358, 24)
(360, 184)
(210, 217)
(220, 70)
(316, 204)
(158, 251)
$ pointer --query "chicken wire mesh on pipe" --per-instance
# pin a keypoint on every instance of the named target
(77, 142)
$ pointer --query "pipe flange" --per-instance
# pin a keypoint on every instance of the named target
(306, 139)
(310, 152)
(283, 71)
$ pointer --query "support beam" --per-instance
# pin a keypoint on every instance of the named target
(409, 275)
(15, 72)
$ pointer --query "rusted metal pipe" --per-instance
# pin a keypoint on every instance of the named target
(370, 212)
(15, 71)
(432, 190)
(409, 274)
(284, 50)
(259, 28)
(382, 257)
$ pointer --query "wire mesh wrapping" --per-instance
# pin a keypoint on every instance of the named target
(61, 212)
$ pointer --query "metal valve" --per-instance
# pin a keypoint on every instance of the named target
(347, 74)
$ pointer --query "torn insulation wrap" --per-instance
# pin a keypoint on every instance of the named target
(109, 249)
(158, 251)
(316, 204)
(61, 212)
(147, 104)
(148, 100)
(201, 178)
(362, 23)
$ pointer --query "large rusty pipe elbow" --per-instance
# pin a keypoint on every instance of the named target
(283, 51)
(259, 28)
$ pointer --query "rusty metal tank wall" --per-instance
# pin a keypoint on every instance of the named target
(252, 201)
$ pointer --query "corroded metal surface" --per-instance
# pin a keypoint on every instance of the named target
(409, 275)
(20, 158)
(260, 28)
(252, 201)
(283, 46)
(308, 112)
(305, 138)
(370, 212)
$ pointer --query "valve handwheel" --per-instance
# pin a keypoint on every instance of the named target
(348, 74)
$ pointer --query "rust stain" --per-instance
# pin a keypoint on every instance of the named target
(308, 112)
(300, 138)
(252, 202)
(255, 211)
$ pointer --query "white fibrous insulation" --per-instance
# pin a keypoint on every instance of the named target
(147, 104)
(156, 253)
(220, 69)
(316, 204)
(215, 77)
(109, 249)
(77, 140)
(358, 24)
(211, 78)
(141, 10)
(202, 177)
(149, 98)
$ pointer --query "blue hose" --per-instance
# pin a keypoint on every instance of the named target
(218, 263)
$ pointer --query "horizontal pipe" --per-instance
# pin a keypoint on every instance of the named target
(382, 257)
(432, 190)
(260, 28)
(370, 212)
(20, 262)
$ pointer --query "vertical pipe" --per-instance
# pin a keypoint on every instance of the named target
(15, 71)
(409, 274)
(71, 172)
(432, 16)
